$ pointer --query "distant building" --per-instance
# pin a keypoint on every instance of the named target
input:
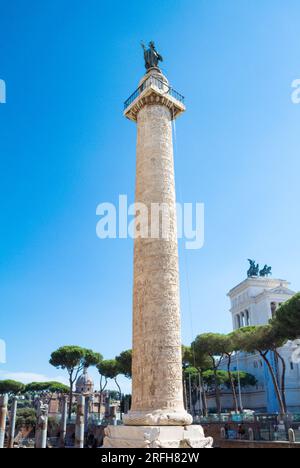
(254, 302)
(84, 386)
(85, 383)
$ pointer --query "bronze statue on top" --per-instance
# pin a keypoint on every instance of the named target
(255, 271)
(266, 271)
(151, 56)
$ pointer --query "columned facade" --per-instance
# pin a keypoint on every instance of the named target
(254, 302)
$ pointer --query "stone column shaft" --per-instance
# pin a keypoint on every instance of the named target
(12, 425)
(63, 422)
(42, 426)
(80, 416)
(157, 389)
(157, 397)
(3, 414)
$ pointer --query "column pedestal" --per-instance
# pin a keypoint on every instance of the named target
(151, 437)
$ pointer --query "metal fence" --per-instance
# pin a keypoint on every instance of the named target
(264, 427)
(157, 83)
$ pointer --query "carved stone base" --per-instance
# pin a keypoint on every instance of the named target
(158, 418)
(156, 437)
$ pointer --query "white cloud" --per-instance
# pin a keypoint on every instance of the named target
(27, 377)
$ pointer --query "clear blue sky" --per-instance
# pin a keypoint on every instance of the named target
(65, 147)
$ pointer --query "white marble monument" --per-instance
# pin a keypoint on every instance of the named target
(157, 417)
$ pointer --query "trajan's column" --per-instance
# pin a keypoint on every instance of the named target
(157, 417)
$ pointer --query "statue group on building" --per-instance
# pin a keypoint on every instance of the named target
(254, 270)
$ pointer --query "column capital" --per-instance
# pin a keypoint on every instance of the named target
(154, 88)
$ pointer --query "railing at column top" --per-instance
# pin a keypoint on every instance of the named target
(158, 84)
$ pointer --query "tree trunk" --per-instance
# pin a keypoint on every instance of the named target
(275, 383)
(217, 389)
(205, 407)
(204, 398)
(100, 399)
(190, 396)
(235, 400)
(119, 388)
(201, 412)
(101, 390)
(194, 397)
(184, 391)
(283, 374)
(70, 397)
